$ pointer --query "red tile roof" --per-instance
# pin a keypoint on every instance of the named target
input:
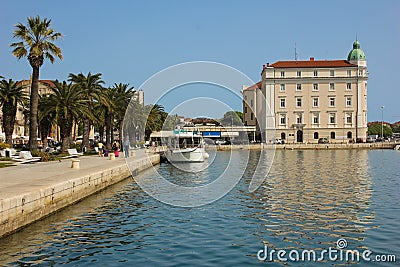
(312, 64)
(47, 82)
(253, 87)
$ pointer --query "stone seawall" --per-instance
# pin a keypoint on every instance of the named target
(21, 210)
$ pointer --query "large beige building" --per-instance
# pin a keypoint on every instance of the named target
(302, 101)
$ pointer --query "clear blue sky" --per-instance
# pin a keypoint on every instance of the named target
(128, 41)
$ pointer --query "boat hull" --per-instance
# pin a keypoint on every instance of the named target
(187, 155)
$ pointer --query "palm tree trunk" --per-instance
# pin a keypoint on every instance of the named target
(65, 133)
(120, 123)
(86, 131)
(26, 124)
(108, 130)
(45, 127)
(33, 116)
(8, 122)
(101, 132)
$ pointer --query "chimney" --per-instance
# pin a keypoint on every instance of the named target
(311, 58)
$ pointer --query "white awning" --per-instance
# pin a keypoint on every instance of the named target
(229, 134)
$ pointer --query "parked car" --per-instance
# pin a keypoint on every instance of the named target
(278, 141)
(323, 140)
(209, 141)
(222, 142)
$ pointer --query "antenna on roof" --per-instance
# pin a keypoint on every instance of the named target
(295, 52)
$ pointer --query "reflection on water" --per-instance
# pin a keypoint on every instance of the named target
(313, 198)
(309, 200)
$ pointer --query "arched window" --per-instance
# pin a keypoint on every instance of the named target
(333, 135)
(283, 136)
(316, 135)
(349, 135)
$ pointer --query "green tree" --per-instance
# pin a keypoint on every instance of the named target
(67, 104)
(122, 95)
(134, 121)
(232, 118)
(37, 44)
(46, 120)
(155, 118)
(170, 123)
(11, 94)
(91, 88)
(376, 129)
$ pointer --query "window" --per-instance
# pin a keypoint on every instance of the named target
(315, 102)
(298, 73)
(298, 87)
(283, 136)
(283, 102)
(349, 118)
(283, 87)
(315, 73)
(331, 73)
(282, 120)
(251, 103)
(315, 118)
(348, 73)
(332, 101)
(299, 118)
(245, 109)
(315, 87)
(333, 135)
(331, 86)
(282, 74)
(348, 101)
(348, 86)
(251, 116)
(298, 102)
(245, 97)
(316, 135)
(360, 73)
(332, 118)
(349, 135)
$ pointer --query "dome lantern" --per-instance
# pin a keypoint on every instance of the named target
(356, 53)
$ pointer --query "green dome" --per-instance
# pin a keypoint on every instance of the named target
(356, 53)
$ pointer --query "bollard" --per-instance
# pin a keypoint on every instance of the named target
(112, 156)
(75, 164)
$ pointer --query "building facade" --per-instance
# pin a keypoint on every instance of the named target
(302, 101)
(21, 127)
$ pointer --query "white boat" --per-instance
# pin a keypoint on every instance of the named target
(186, 146)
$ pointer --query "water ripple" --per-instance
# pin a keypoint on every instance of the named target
(309, 200)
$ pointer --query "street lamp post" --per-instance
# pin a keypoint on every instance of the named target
(382, 107)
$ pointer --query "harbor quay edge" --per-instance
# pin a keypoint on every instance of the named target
(21, 210)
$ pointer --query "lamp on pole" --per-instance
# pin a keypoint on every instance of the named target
(382, 107)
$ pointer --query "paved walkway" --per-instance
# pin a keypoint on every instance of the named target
(25, 178)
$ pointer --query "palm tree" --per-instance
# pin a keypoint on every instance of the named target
(37, 45)
(67, 104)
(134, 123)
(46, 120)
(122, 95)
(11, 94)
(91, 86)
(155, 118)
